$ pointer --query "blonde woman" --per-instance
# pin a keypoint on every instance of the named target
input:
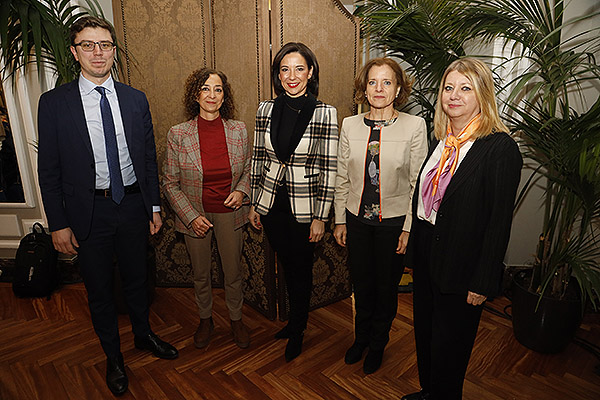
(462, 217)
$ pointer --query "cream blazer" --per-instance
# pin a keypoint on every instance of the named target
(402, 150)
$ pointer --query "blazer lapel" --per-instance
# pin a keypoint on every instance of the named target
(302, 122)
(192, 142)
(125, 105)
(264, 125)
(275, 121)
(230, 140)
(75, 106)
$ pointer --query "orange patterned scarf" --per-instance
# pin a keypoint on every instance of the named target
(453, 143)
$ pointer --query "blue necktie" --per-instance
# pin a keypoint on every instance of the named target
(112, 151)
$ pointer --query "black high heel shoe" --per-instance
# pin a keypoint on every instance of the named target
(422, 395)
(294, 347)
(284, 333)
(372, 361)
(355, 353)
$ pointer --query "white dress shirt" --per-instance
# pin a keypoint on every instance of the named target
(93, 117)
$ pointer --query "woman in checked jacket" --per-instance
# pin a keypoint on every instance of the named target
(207, 183)
(293, 177)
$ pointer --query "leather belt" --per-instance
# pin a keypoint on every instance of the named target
(133, 188)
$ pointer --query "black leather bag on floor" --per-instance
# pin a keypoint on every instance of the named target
(36, 271)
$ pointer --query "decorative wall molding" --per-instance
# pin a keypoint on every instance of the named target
(21, 103)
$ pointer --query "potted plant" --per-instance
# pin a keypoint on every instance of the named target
(564, 143)
(566, 147)
(33, 31)
(546, 308)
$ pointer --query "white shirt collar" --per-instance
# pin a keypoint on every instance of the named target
(86, 86)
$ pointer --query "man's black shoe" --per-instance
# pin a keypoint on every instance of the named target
(158, 347)
(116, 378)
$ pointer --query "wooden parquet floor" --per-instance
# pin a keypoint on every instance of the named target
(49, 351)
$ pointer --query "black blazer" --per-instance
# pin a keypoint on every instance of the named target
(473, 222)
(66, 167)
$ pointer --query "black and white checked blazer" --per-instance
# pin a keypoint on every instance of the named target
(309, 172)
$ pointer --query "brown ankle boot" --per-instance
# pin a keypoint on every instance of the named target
(202, 335)
(241, 336)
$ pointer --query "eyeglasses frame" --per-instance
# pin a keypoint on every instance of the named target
(114, 46)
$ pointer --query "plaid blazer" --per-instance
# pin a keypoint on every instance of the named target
(182, 171)
(309, 172)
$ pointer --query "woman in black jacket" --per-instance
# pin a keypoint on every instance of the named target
(462, 213)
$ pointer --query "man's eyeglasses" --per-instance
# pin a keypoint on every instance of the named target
(88, 45)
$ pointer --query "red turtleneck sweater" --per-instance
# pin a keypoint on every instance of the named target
(216, 171)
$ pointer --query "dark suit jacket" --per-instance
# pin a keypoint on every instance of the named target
(66, 165)
(473, 222)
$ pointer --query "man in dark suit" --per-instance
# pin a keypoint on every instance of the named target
(99, 183)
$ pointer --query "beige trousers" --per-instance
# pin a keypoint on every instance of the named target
(229, 243)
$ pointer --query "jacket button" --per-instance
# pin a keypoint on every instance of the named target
(437, 237)
(91, 190)
(440, 215)
(92, 165)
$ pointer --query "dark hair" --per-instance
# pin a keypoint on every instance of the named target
(402, 80)
(194, 83)
(90, 21)
(311, 62)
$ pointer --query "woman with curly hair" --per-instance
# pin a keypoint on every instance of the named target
(206, 179)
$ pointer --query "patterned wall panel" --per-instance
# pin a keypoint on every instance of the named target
(240, 35)
(166, 39)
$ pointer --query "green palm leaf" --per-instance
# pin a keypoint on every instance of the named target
(39, 31)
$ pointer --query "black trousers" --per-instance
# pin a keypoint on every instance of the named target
(120, 230)
(445, 325)
(289, 239)
(375, 270)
